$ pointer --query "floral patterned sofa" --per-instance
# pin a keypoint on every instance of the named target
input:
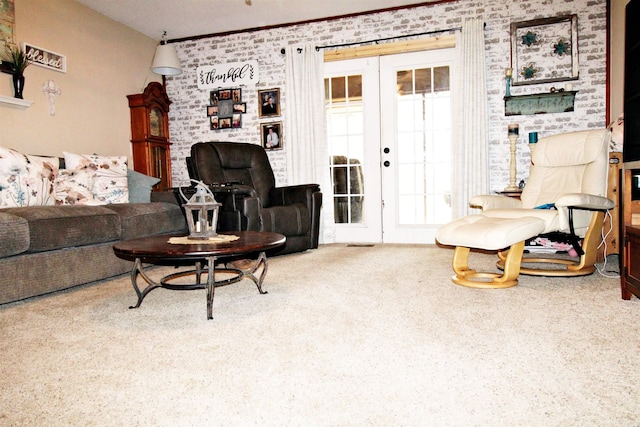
(59, 218)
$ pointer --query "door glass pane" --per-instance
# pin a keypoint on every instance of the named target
(345, 133)
(423, 111)
(441, 79)
(423, 80)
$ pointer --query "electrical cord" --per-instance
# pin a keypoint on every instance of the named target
(602, 270)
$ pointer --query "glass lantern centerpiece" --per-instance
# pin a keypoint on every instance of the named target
(201, 211)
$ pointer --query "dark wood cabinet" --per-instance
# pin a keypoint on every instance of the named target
(630, 182)
(150, 134)
(631, 277)
(630, 219)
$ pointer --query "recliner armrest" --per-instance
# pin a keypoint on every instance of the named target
(238, 189)
(242, 199)
(283, 196)
(491, 201)
(584, 201)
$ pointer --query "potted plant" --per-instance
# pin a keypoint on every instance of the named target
(18, 60)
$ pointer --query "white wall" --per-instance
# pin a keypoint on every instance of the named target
(189, 124)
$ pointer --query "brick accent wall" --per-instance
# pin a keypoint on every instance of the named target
(189, 124)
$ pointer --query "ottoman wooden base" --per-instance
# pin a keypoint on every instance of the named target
(471, 278)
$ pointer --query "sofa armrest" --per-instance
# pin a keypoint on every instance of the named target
(164, 197)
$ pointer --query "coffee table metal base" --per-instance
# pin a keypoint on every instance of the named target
(210, 285)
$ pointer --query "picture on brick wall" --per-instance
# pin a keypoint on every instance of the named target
(544, 50)
(271, 135)
(226, 109)
(269, 100)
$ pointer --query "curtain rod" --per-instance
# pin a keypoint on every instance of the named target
(389, 38)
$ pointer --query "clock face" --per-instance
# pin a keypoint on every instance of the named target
(155, 122)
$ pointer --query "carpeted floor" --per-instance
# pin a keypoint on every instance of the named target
(346, 336)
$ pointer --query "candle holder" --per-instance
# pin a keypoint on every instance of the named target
(508, 74)
(533, 140)
(512, 133)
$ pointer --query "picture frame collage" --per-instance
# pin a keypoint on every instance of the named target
(226, 108)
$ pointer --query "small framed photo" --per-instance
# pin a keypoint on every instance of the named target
(224, 94)
(240, 107)
(269, 100)
(213, 97)
(215, 123)
(236, 95)
(212, 110)
(271, 135)
(224, 123)
(236, 121)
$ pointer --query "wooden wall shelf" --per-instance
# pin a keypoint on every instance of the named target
(539, 103)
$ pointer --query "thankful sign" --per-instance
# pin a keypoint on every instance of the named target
(233, 74)
(45, 58)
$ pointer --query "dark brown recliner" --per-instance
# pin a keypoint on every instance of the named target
(242, 180)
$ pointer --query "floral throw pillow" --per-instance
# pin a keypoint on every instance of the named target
(75, 188)
(26, 180)
(109, 175)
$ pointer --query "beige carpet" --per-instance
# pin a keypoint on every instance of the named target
(346, 336)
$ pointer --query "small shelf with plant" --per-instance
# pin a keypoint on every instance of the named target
(15, 62)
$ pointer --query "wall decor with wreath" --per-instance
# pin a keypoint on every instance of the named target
(226, 108)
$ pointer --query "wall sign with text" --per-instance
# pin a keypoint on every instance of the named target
(45, 58)
(228, 75)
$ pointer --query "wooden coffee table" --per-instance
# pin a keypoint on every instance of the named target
(158, 250)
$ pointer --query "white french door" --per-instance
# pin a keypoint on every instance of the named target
(353, 131)
(389, 138)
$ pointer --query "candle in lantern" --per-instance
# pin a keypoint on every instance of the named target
(508, 72)
(513, 129)
(533, 137)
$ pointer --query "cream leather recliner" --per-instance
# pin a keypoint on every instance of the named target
(566, 192)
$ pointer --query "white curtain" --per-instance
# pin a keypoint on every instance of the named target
(470, 153)
(305, 143)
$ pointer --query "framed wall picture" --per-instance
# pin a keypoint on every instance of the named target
(271, 135)
(269, 103)
(544, 50)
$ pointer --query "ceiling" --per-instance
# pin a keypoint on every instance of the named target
(188, 18)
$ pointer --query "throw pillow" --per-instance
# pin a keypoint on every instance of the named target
(109, 175)
(26, 180)
(75, 188)
(140, 186)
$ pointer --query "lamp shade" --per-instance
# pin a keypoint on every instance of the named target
(165, 61)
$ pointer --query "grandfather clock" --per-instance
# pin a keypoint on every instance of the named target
(150, 134)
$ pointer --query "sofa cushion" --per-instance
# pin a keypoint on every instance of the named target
(74, 187)
(140, 186)
(26, 180)
(56, 227)
(14, 235)
(148, 219)
(109, 175)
